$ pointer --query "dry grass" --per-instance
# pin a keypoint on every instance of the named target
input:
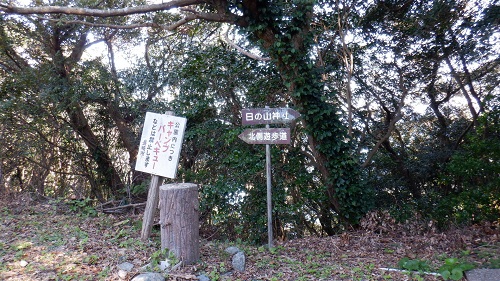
(49, 242)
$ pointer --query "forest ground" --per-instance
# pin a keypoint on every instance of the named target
(50, 241)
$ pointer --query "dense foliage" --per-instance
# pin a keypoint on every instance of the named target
(399, 102)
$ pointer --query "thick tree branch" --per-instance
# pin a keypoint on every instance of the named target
(11, 9)
(190, 14)
(457, 78)
(110, 26)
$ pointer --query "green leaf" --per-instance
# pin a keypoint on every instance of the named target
(457, 273)
(445, 274)
(451, 261)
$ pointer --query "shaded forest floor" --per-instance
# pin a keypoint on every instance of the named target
(48, 241)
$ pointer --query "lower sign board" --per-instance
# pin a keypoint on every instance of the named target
(161, 143)
(266, 136)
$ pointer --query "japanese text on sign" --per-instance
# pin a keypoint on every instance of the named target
(160, 146)
(266, 116)
(266, 136)
(253, 116)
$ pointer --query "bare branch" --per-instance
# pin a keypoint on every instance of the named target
(392, 124)
(457, 78)
(243, 51)
(114, 209)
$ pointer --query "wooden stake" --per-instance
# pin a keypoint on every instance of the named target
(152, 203)
(151, 207)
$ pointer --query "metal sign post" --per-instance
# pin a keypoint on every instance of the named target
(267, 136)
(269, 197)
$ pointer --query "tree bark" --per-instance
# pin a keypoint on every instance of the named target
(179, 221)
(2, 187)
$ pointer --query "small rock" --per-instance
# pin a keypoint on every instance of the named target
(122, 274)
(232, 250)
(23, 263)
(164, 265)
(238, 261)
(126, 266)
(483, 274)
(149, 277)
(203, 278)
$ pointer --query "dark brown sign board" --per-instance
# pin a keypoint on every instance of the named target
(254, 116)
(266, 136)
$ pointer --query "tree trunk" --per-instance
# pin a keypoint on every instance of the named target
(2, 186)
(108, 175)
(179, 221)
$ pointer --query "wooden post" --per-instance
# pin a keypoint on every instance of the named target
(151, 207)
(179, 220)
(152, 203)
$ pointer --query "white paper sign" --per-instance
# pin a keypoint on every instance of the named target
(161, 143)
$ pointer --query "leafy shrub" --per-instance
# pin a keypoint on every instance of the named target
(414, 265)
(454, 269)
(83, 206)
(473, 181)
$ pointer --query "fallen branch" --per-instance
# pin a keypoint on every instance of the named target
(112, 202)
(123, 207)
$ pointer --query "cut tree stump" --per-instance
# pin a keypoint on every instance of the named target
(179, 220)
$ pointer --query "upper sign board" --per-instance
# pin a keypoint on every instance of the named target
(161, 143)
(254, 116)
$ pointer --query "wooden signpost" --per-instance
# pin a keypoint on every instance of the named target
(159, 151)
(267, 136)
